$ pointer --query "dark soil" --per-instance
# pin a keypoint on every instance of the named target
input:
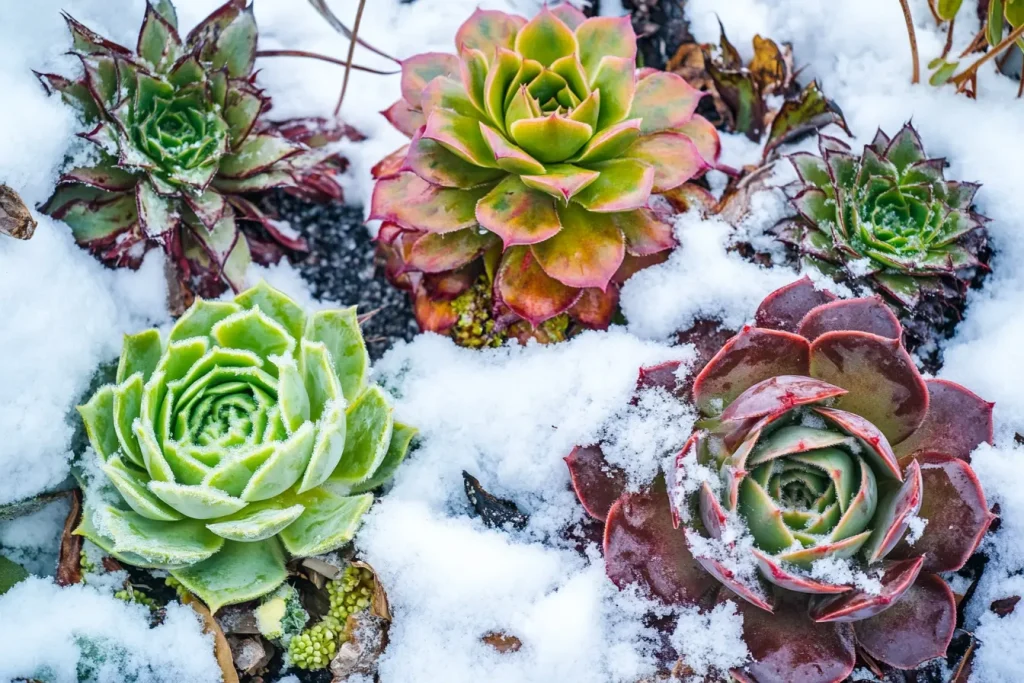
(341, 267)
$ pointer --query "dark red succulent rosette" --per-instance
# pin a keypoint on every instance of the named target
(822, 441)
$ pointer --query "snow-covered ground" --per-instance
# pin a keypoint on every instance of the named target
(507, 416)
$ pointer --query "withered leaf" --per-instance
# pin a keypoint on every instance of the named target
(379, 606)
(221, 649)
(15, 218)
(809, 112)
(494, 511)
(366, 636)
(69, 563)
(502, 642)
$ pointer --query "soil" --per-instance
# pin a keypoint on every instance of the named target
(341, 267)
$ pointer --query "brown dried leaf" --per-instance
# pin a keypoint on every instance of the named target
(15, 218)
(379, 606)
(69, 564)
(1004, 606)
(366, 636)
(221, 649)
(768, 67)
(502, 642)
(495, 512)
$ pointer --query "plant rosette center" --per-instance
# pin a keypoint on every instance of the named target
(825, 487)
(249, 432)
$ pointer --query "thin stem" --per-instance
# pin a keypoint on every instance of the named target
(961, 77)
(916, 75)
(1020, 88)
(975, 43)
(351, 55)
(322, 58)
(949, 38)
(935, 11)
(325, 11)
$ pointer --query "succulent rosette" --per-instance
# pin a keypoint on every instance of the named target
(248, 432)
(890, 218)
(179, 139)
(819, 446)
(534, 156)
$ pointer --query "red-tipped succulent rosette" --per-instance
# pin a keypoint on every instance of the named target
(536, 155)
(818, 440)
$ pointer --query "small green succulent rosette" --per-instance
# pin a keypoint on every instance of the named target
(246, 435)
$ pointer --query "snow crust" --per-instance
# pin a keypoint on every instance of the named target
(506, 416)
(78, 633)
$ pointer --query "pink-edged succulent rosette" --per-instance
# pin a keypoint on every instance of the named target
(822, 442)
(536, 153)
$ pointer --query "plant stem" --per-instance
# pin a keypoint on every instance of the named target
(323, 58)
(916, 75)
(935, 11)
(949, 38)
(976, 42)
(351, 55)
(961, 77)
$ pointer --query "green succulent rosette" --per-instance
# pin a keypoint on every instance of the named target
(888, 218)
(180, 139)
(246, 435)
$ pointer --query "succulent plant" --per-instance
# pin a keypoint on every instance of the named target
(819, 445)
(891, 220)
(534, 156)
(250, 430)
(179, 140)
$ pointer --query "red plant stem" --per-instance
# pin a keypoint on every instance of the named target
(976, 42)
(949, 38)
(935, 12)
(916, 75)
(961, 77)
(322, 58)
(351, 55)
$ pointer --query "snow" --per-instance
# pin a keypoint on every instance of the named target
(507, 416)
(59, 634)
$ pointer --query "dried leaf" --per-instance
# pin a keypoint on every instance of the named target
(807, 113)
(494, 511)
(221, 649)
(768, 68)
(1004, 606)
(69, 564)
(324, 569)
(502, 642)
(15, 218)
(237, 620)
(379, 606)
(366, 636)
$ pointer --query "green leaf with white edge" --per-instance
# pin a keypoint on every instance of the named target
(181, 356)
(127, 407)
(139, 353)
(322, 385)
(196, 502)
(370, 421)
(240, 113)
(329, 446)
(291, 393)
(401, 437)
(329, 522)
(152, 455)
(218, 358)
(339, 331)
(132, 487)
(233, 474)
(276, 305)
(166, 10)
(200, 318)
(10, 574)
(280, 472)
(87, 528)
(238, 573)
(168, 543)
(251, 330)
(258, 521)
(98, 418)
(159, 43)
